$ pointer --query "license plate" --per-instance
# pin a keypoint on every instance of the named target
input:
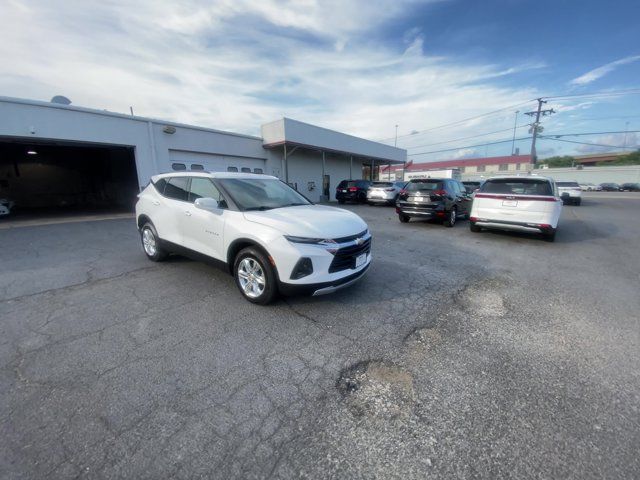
(509, 203)
(343, 191)
(360, 259)
(418, 199)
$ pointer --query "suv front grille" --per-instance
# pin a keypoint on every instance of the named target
(345, 258)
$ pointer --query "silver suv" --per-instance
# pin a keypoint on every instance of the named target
(384, 192)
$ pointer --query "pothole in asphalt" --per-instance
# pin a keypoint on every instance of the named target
(420, 342)
(377, 389)
(482, 300)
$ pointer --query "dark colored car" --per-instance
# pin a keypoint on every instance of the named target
(471, 186)
(352, 191)
(630, 187)
(434, 198)
(610, 187)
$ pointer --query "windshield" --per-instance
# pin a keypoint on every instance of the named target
(416, 186)
(261, 194)
(525, 186)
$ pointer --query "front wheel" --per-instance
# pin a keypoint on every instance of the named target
(255, 277)
(151, 243)
(451, 218)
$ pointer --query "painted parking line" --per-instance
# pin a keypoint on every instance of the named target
(8, 223)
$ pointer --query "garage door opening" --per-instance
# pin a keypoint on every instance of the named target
(44, 179)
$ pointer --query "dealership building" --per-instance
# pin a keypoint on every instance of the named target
(53, 154)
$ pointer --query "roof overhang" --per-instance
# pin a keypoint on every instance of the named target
(292, 132)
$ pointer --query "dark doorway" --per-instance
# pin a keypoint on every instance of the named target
(51, 177)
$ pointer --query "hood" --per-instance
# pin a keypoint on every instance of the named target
(314, 221)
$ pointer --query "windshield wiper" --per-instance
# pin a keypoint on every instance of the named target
(291, 205)
(261, 208)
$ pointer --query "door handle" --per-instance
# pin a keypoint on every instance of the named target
(187, 213)
(156, 202)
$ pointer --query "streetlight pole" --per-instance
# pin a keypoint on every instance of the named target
(395, 144)
(626, 128)
(513, 142)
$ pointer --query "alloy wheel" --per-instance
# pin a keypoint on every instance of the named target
(251, 277)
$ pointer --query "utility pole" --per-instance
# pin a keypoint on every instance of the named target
(395, 144)
(536, 128)
(513, 142)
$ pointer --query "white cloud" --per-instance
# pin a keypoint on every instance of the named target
(611, 142)
(237, 64)
(599, 72)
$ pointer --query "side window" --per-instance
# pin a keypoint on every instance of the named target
(196, 166)
(178, 166)
(245, 170)
(176, 188)
(203, 188)
(160, 185)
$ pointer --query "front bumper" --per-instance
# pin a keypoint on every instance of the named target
(323, 288)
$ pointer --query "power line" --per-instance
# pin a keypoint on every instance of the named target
(589, 133)
(466, 138)
(611, 93)
(583, 143)
(468, 146)
(459, 122)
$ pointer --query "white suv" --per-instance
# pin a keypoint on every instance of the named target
(272, 239)
(570, 192)
(525, 204)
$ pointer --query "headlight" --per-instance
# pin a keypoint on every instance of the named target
(294, 239)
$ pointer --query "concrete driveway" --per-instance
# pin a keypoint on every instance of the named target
(488, 355)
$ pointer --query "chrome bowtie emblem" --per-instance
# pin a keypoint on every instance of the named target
(359, 241)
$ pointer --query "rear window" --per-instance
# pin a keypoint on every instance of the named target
(424, 185)
(382, 184)
(524, 186)
(567, 184)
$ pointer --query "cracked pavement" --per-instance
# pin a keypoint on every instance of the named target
(460, 355)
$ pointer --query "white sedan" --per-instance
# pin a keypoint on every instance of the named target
(271, 238)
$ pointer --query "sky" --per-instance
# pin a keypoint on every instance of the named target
(356, 66)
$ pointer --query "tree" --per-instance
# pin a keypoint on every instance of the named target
(555, 162)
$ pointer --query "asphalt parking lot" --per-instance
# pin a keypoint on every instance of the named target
(483, 355)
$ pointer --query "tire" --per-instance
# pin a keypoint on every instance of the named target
(451, 219)
(403, 218)
(151, 243)
(578, 202)
(474, 228)
(255, 277)
(550, 237)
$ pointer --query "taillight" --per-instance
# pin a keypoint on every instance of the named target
(403, 192)
(473, 219)
(440, 193)
(353, 189)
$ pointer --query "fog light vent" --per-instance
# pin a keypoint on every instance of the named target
(303, 268)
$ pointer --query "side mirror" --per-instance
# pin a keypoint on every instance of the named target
(208, 204)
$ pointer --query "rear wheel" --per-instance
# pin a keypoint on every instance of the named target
(255, 277)
(403, 218)
(550, 236)
(151, 243)
(451, 218)
(474, 228)
(578, 202)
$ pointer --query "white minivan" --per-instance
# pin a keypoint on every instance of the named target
(525, 204)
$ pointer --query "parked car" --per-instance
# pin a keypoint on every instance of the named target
(630, 187)
(610, 187)
(524, 204)
(588, 187)
(570, 192)
(352, 191)
(471, 186)
(384, 192)
(443, 199)
(271, 238)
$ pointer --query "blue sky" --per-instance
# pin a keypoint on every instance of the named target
(357, 66)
